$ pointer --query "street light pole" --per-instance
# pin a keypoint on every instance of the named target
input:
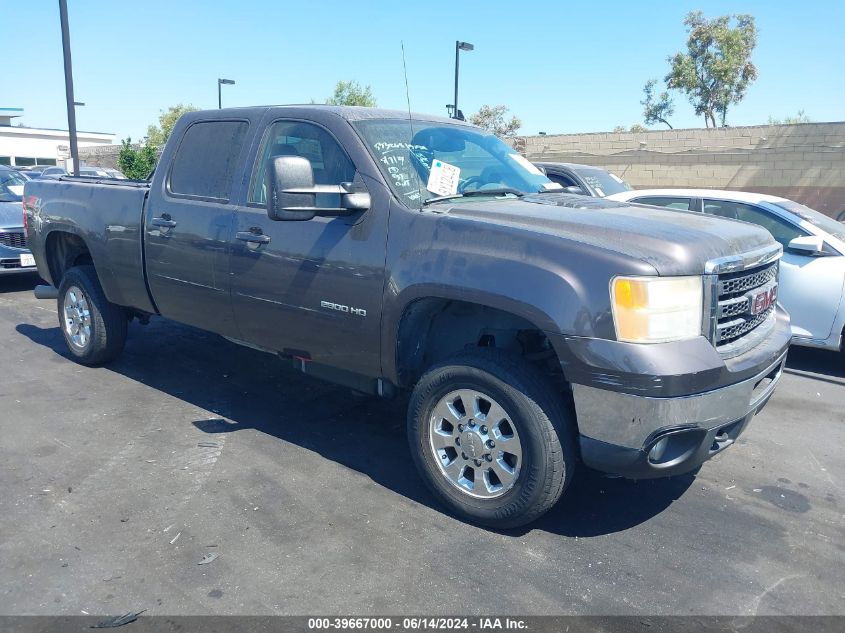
(71, 110)
(459, 46)
(220, 82)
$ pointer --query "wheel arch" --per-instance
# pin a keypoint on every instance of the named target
(435, 326)
(64, 249)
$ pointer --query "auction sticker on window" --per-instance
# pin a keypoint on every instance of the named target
(444, 178)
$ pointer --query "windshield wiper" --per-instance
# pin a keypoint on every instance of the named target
(477, 192)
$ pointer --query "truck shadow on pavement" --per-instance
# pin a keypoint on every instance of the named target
(246, 389)
(19, 282)
(803, 360)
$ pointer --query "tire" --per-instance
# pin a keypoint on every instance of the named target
(94, 329)
(535, 416)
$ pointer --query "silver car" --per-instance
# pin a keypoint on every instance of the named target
(812, 271)
(14, 255)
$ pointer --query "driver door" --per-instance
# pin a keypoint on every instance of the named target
(310, 288)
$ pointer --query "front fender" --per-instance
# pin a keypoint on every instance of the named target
(553, 300)
(558, 284)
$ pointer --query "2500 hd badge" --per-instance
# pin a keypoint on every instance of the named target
(342, 308)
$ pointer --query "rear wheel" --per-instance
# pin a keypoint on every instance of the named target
(94, 328)
(491, 438)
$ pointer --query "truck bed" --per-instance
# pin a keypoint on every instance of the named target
(108, 214)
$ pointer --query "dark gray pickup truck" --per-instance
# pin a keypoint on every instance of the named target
(533, 330)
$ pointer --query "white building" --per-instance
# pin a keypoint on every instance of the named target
(38, 146)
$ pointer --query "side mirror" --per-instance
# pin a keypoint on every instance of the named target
(293, 194)
(290, 185)
(810, 245)
(575, 189)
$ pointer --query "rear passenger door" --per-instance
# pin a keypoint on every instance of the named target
(188, 224)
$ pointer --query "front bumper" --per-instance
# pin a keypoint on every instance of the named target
(704, 424)
(619, 427)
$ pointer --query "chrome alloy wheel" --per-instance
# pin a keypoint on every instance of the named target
(77, 318)
(475, 443)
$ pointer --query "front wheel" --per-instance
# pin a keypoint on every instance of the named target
(491, 438)
(93, 327)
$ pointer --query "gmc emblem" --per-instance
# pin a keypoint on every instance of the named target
(764, 300)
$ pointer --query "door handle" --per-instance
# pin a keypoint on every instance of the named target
(254, 238)
(163, 222)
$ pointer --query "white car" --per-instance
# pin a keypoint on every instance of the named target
(812, 271)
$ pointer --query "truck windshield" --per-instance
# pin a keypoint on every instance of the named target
(422, 160)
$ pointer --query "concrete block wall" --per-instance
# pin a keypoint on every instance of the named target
(804, 162)
(101, 156)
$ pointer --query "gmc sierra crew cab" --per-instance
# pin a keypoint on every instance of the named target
(394, 254)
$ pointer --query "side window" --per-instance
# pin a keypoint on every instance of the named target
(562, 180)
(207, 158)
(673, 203)
(330, 163)
(781, 230)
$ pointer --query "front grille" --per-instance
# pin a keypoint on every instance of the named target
(15, 240)
(742, 281)
(739, 298)
(736, 328)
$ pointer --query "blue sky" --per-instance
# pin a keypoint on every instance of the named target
(561, 66)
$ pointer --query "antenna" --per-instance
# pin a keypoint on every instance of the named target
(407, 92)
(410, 118)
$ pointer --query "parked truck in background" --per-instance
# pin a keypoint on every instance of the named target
(532, 329)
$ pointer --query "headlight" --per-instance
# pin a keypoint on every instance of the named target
(656, 309)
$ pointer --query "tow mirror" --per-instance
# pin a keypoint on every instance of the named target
(293, 194)
(810, 245)
(290, 195)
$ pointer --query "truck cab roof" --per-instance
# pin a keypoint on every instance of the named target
(350, 113)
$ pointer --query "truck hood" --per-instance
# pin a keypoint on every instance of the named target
(11, 215)
(672, 242)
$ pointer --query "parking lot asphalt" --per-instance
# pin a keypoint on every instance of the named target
(117, 481)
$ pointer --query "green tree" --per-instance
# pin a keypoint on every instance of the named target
(157, 135)
(716, 69)
(656, 108)
(801, 117)
(352, 94)
(136, 164)
(492, 118)
(621, 129)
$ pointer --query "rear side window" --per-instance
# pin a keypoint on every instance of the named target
(205, 163)
(673, 203)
